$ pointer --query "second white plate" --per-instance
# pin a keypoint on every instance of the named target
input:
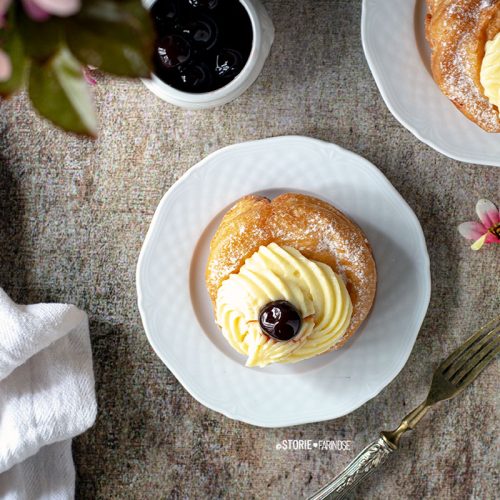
(176, 309)
(393, 35)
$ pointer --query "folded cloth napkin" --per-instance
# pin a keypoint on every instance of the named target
(47, 397)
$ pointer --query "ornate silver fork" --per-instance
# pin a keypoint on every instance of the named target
(451, 377)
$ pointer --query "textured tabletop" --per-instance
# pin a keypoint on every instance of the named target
(73, 217)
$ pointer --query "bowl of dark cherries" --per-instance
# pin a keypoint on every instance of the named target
(207, 52)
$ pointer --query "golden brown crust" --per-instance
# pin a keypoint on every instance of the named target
(315, 228)
(457, 31)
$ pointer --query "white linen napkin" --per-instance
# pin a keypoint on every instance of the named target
(48, 475)
(47, 396)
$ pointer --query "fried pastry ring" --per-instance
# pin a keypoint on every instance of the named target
(457, 31)
(313, 227)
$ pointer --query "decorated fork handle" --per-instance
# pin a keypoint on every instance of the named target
(364, 464)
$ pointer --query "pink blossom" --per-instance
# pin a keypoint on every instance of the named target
(486, 231)
(40, 10)
(33, 10)
(4, 6)
(87, 74)
(5, 66)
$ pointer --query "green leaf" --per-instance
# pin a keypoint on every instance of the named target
(41, 39)
(116, 37)
(13, 46)
(60, 93)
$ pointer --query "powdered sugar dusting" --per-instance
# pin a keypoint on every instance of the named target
(457, 33)
(350, 252)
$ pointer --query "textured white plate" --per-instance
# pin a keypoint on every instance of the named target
(397, 52)
(176, 310)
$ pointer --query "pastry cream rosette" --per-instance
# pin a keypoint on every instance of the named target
(490, 71)
(283, 273)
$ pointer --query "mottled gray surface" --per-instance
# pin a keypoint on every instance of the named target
(73, 216)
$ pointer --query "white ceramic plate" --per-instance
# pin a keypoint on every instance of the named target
(393, 34)
(176, 310)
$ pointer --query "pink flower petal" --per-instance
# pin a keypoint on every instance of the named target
(5, 66)
(87, 74)
(34, 11)
(494, 216)
(4, 5)
(487, 212)
(472, 230)
(492, 238)
(60, 8)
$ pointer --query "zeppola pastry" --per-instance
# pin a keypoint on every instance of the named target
(289, 279)
(464, 36)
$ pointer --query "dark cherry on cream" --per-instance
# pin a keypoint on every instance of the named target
(280, 320)
(201, 45)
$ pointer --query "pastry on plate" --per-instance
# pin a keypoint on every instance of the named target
(289, 279)
(464, 36)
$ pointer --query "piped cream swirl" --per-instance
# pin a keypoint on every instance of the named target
(283, 273)
(490, 71)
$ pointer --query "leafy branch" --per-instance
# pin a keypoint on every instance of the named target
(49, 54)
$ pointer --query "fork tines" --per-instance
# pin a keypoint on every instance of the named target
(468, 361)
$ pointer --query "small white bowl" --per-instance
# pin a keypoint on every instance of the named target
(263, 36)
